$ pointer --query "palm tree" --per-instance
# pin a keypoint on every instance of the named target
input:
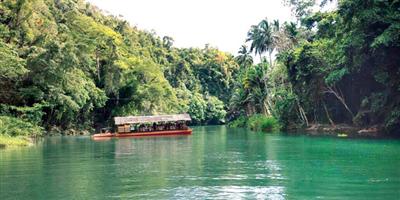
(276, 26)
(291, 32)
(168, 41)
(241, 99)
(261, 39)
(244, 58)
(255, 83)
(266, 32)
(254, 36)
(284, 36)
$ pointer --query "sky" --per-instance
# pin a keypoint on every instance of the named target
(195, 23)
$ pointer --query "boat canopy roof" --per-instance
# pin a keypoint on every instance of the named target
(151, 119)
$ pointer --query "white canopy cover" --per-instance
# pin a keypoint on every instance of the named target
(151, 119)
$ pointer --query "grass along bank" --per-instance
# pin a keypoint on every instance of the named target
(256, 122)
(17, 132)
(8, 141)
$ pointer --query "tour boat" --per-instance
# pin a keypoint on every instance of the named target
(156, 125)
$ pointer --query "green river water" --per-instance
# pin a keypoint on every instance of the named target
(215, 162)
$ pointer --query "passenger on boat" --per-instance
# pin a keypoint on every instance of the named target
(154, 127)
(180, 125)
(149, 128)
(141, 128)
(160, 127)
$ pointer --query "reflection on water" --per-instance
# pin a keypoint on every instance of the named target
(228, 192)
(214, 163)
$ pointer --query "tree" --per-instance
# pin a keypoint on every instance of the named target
(261, 39)
(78, 68)
(168, 42)
(244, 58)
(341, 63)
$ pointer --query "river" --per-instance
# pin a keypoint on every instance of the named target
(215, 162)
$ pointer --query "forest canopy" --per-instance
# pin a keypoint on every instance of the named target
(66, 65)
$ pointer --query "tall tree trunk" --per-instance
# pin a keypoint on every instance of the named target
(302, 113)
(98, 64)
(117, 98)
(327, 115)
(270, 59)
(266, 108)
(249, 109)
(340, 97)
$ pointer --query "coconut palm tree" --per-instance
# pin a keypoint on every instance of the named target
(276, 26)
(267, 35)
(261, 39)
(244, 58)
(291, 31)
(255, 83)
(254, 36)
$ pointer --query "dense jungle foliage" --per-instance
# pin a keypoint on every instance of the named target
(336, 67)
(65, 65)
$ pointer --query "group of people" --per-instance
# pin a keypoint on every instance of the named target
(159, 127)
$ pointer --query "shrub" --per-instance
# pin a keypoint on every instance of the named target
(11, 126)
(269, 124)
(240, 122)
(254, 122)
(8, 141)
(257, 122)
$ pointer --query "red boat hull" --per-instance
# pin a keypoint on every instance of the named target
(139, 134)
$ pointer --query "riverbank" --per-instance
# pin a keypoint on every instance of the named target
(344, 130)
(269, 124)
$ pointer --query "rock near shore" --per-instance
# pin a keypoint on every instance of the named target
(344, 129)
